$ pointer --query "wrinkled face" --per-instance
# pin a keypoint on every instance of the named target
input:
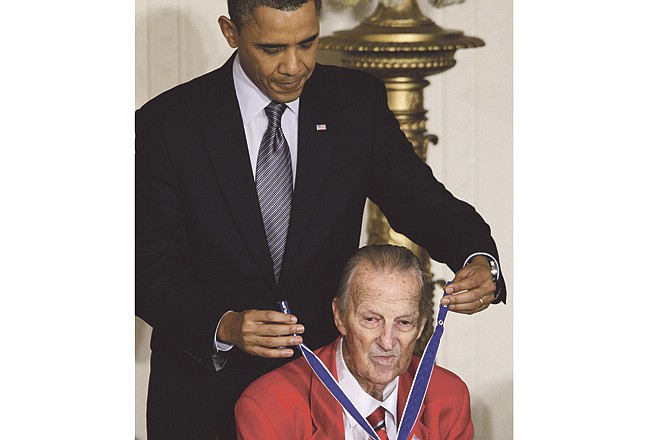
(276, 49)
(381, 326)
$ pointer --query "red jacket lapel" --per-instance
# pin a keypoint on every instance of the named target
(326, 410)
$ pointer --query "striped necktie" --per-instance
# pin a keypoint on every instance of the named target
(274, 184)
(378, 423)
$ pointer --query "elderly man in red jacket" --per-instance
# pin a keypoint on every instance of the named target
(380, 309)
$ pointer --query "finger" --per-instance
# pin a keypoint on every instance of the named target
(470, 282)
(467, 308)
(280, 341)
(472, 307)
(271, 316)
(468, 297)
(464, 297)
(262, 329)
(488, 287)
(272, 353)
(263, 345)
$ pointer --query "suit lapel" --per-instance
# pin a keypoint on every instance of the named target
(326, 411)
(315, 149)
(226, 144)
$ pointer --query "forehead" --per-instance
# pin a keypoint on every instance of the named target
(274, 24)
(385, 292)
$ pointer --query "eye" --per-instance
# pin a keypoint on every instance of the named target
(405, 324)
(370, 321)
(307, 45)
(271, 50)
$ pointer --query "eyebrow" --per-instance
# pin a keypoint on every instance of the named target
(406, 315)
(279, 46)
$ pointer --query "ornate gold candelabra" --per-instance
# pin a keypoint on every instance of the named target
(401, 46)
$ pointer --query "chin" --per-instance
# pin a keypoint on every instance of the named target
(384, 379)
(386, 374)
(287, 98)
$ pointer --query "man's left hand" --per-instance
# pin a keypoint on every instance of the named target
(472, 289)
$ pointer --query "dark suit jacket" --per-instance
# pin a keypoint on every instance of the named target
(291, 403)
(201, 246)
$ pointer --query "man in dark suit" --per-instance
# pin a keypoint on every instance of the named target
(381, 307)
(210, 268)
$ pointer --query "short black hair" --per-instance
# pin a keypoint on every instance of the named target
(240, 11)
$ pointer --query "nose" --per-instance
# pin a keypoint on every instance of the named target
(290, 63)
(387, 339)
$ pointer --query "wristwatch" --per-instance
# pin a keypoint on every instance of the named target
(494, 270)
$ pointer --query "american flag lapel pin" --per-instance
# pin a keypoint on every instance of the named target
(320, 127)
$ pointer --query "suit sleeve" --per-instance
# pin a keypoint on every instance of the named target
(164, 292)
(416, 203)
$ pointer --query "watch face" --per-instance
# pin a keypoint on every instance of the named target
(494, 270)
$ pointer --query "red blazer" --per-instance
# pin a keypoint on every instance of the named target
(292, 403)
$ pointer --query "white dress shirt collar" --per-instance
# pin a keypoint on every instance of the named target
(251, 99)
(252, 103)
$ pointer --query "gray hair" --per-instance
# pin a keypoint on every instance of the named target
(385, 258)
(241, 11)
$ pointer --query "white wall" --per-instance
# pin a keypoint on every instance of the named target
(469, 109)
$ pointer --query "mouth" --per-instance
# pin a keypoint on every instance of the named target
(385, 360)
(289, 86)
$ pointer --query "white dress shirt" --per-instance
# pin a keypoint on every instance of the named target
(365, 403)
(252, 104)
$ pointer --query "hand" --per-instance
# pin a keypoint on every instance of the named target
(261, 332)
(473, 288)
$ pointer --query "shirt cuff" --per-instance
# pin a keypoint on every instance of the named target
(222, 349)
(218, 345)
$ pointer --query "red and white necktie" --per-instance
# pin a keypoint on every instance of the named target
(378, 423)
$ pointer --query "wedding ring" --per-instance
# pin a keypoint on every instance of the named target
(481, 301)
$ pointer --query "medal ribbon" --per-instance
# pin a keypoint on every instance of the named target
(417, 391)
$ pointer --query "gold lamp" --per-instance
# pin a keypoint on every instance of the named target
(400, 45)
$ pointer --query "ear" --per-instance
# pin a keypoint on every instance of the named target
(338, 319)
(229, 31)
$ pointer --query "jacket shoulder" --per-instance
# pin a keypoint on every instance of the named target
(442, 381)
(342, 82)
(445, 384)
(185, 96)
(337, 74)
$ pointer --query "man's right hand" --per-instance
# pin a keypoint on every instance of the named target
(261, 332)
